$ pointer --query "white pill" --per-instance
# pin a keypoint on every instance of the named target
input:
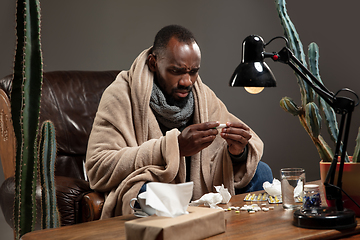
(222, 125)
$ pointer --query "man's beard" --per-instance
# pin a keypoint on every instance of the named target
(178, 103)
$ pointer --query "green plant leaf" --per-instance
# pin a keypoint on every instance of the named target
(329, 113)
(307, 93)
(47, 157)
(289, 105)
(25, 105)
(313, 118)
(324, 150)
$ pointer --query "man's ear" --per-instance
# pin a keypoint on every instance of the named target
(152, 62)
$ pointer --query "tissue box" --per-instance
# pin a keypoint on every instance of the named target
(200, 223)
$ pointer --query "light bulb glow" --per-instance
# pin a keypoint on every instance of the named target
(254, 90)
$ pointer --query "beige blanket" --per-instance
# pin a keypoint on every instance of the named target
(127, 148)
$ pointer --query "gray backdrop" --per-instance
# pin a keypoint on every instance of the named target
(109, 34)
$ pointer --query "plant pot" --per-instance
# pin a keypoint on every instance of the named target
(350, 183)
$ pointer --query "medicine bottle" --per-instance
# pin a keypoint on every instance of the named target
(311, 197)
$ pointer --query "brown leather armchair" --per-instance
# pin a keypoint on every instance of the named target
(70, 100)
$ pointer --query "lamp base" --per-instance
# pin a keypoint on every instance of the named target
(324, 218)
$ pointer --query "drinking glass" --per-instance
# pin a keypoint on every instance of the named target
(292, 186)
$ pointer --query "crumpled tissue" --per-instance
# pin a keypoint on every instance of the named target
(169, 200)
(298, 190)
(212, 199)
(274, 188)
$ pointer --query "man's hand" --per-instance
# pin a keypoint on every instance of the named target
(237, 136)
(196, 137)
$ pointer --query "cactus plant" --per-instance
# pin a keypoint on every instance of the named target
(25, 105)
(309, 112)
(25, 109)
(47, 154)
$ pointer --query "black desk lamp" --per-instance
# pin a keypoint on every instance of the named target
(254, 74)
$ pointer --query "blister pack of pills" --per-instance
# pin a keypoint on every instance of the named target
(275, 199)
(256, 197)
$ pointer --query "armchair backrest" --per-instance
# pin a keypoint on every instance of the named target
(70, 100)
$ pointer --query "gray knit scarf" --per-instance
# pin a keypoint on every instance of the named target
(170, 115)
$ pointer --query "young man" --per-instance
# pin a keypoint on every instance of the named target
(157, 122)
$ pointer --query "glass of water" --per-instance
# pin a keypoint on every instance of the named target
(292, 187)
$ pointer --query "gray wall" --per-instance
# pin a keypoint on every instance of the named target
(109, 34)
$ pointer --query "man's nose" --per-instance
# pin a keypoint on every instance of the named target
(186, 80)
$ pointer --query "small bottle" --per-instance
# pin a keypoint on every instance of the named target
(311, 199)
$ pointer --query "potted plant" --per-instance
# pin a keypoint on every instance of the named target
(310, 110)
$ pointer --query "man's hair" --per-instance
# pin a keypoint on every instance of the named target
(163, 37)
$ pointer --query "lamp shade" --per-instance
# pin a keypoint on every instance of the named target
(253, 71)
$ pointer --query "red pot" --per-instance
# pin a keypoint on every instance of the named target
(350, 183)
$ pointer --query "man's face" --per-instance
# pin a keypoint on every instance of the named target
(177, 69)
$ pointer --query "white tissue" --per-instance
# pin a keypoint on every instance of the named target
(298, 190)
(209, 199)
(273, 189)
(226, 196)
(169, 200)
(212, 199)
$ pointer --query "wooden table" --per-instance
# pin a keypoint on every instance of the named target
(274, 224)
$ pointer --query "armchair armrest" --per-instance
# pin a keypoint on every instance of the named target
(76, 198)
(91, 206)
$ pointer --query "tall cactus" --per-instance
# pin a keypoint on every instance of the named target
(25, 105)
(309, 113)
(47, 154)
